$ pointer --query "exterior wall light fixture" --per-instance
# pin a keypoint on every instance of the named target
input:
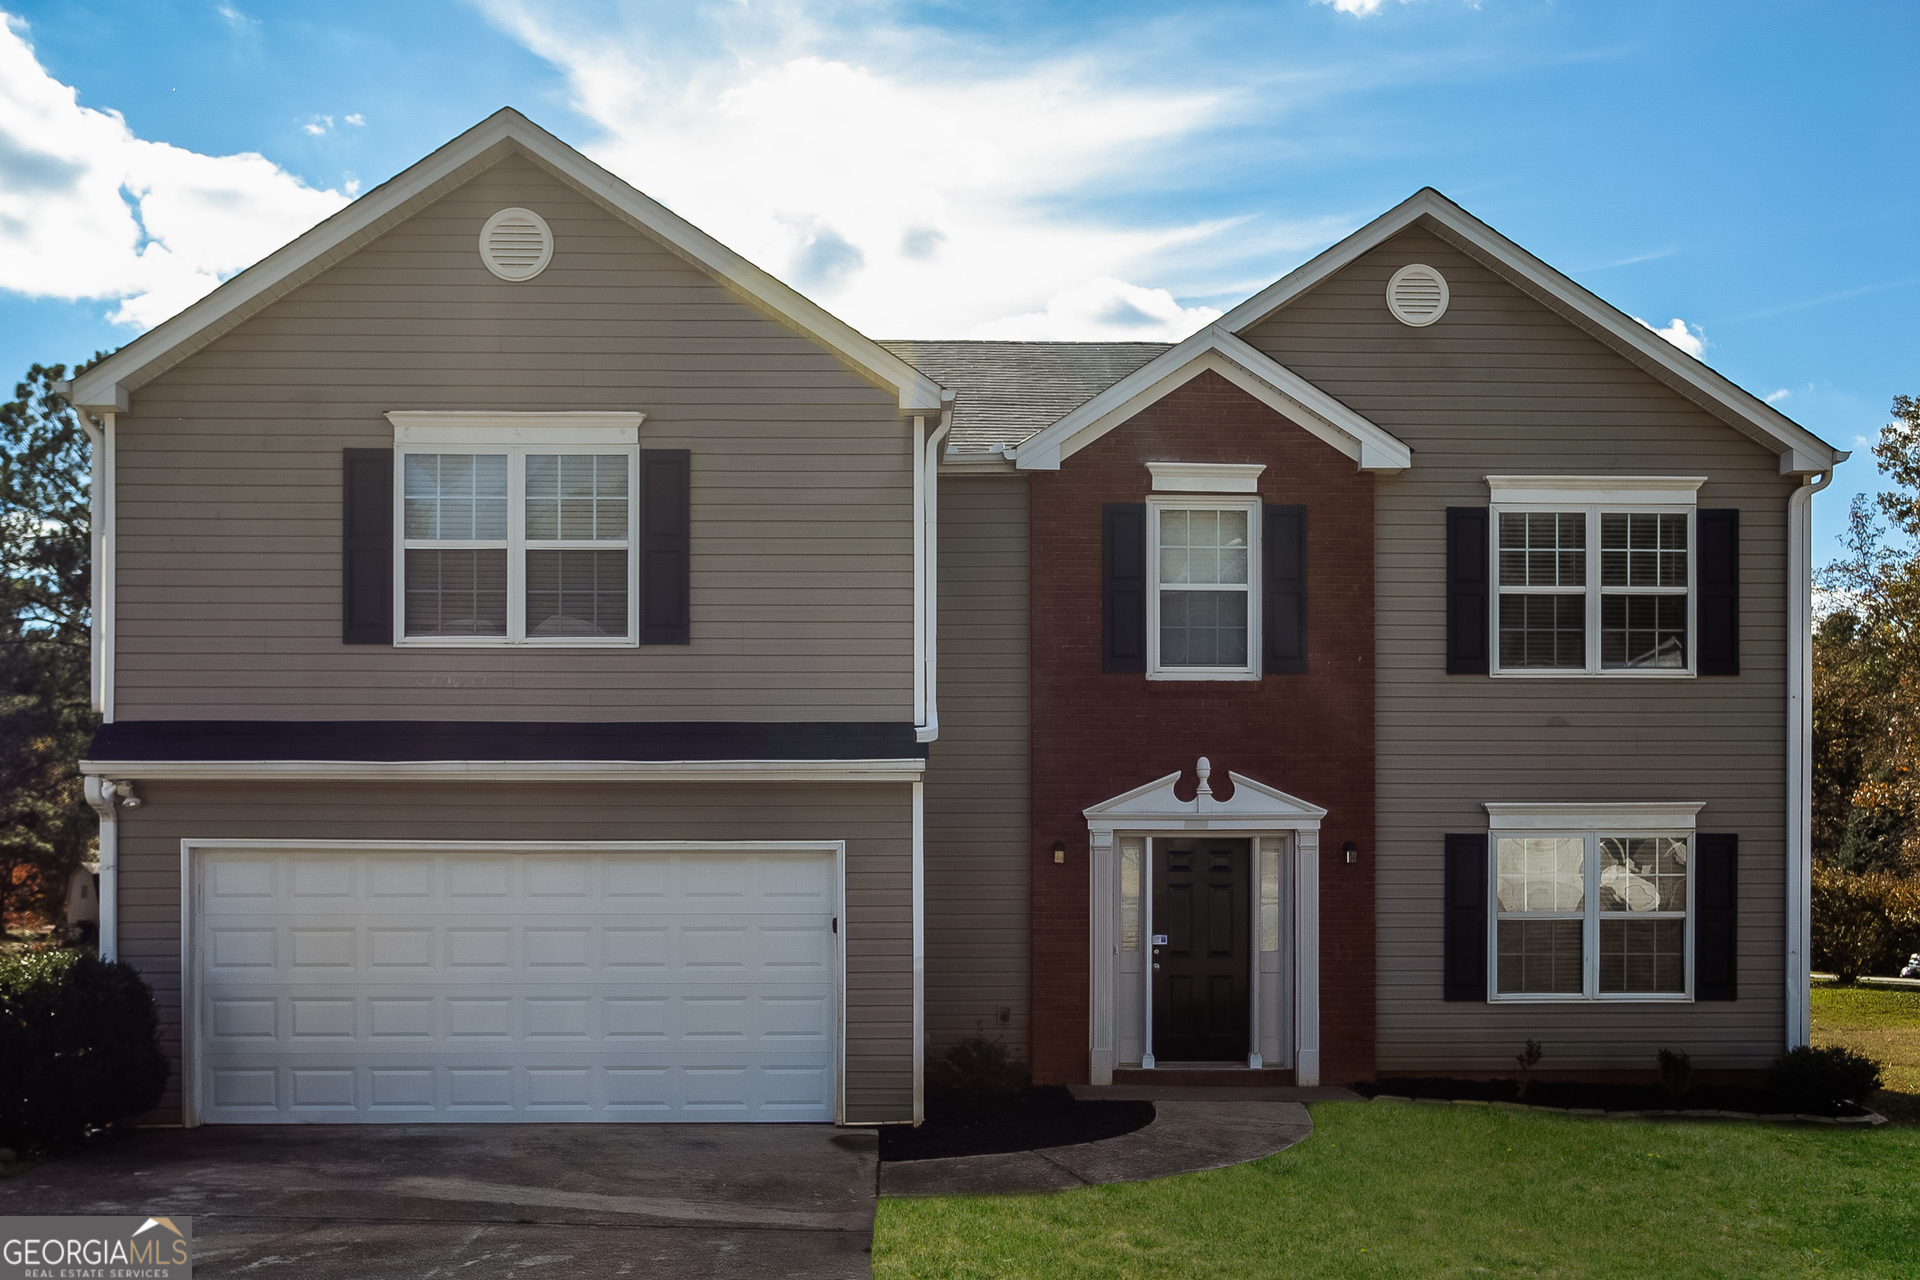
(1352, 851)
(1059, 850)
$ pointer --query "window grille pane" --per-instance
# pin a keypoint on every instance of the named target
(1269, 896)
(1539, 956)
(1643, 631)
(1646, 873)
(1540, 873)
(1203, 547)
(1543, 631)
(1130, 895)
(456, 496)
(456, 593)
(1203, 628)
(1643, 955)
(576, 593)
(1543, 549)
(577, 497)
(1643, 550)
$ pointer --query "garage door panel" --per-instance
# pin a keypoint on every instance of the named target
(357, 987)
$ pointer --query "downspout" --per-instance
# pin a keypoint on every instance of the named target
(928, 544)
(1800, 759)
(97, 536)
(100, 794)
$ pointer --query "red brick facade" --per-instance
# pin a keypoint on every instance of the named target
(1097, 734)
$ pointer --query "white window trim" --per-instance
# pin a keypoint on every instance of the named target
(1204, 502)
(1591, 495)
(515, 435)
(1206, 477)
(1590, 823)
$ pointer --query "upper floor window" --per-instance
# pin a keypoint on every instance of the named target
(1593, 581)
(1203, 596)
(504, 542)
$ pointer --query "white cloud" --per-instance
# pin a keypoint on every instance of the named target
(1775, 397)
(318, 125)
(356, 119)
(911, 205)
(87, 210)
(1106, 310)
(1359, 8)
(1690, 338)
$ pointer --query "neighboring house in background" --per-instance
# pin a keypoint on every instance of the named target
(565, 674)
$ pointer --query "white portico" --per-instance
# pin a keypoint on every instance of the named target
(1132, 837)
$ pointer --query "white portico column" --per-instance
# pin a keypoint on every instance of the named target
(1105, 953)
(1306, 957)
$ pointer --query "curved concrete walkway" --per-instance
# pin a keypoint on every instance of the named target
(1184, 1137)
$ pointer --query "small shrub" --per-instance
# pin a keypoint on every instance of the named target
(1810, 1077)
(1528, 1058)
(79, 1047)
(1676, 1072)
(978, 1072)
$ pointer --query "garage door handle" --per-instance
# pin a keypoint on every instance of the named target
(836, 924)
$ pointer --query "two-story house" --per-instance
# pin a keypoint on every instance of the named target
(552, 670)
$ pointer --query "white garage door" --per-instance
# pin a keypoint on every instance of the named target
(401, 987)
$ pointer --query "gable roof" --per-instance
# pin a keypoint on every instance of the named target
(1801, 452)
(1216, 349)
(1008, 391)
(109, 385)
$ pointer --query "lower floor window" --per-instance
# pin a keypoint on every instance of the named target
(1591, 915)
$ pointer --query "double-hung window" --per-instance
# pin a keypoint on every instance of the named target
(1203, 607)
(1591, 906)
(1593, 576)
(519, 534)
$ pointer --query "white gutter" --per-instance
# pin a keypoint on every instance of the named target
(926, 573)
(1799, 1027)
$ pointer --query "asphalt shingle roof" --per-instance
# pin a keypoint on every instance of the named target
(1007, 391)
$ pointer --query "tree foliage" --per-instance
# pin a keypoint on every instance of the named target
(1866, 673)
(46, 716)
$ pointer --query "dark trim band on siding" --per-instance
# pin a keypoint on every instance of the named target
(418, 740)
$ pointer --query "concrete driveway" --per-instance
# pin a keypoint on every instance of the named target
(368, 1202)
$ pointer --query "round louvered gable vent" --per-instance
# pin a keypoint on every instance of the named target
(516, 244)
(1417, 295)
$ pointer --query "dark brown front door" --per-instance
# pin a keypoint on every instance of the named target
(1200, 971)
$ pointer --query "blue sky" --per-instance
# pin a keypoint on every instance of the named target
(1025, 169)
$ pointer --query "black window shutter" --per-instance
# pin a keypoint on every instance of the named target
(1719, 582)
(666, 500)
(366, 546)
(1716, 907)
(1284, 612)
(1123, 586)
(1466, 917)
(1467, 591)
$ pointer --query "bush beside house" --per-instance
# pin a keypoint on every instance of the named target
(79, 1047)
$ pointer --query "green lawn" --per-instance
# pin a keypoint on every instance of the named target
(1881, 1024)
(1410, 1191)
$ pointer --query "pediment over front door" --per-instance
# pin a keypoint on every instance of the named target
(1254, 806)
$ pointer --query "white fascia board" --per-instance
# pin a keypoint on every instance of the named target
(1253, 371)
(108, 384)
(1800, 450)
(1607, 819)
(903, 770)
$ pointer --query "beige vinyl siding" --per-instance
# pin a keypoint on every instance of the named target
(229, 471)
(876, 821)
(1501, 385)
(976, 823)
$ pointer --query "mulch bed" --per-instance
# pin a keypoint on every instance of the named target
(1602, 1097)
(1044, 1117)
